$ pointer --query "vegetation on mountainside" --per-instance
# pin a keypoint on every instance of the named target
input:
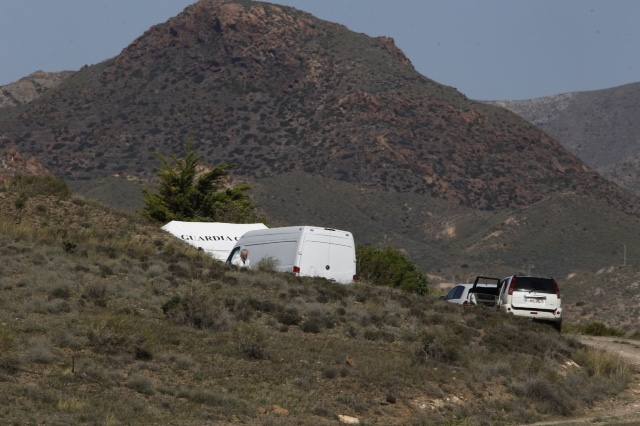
(390, 267)
(105, 319)
(185, 192)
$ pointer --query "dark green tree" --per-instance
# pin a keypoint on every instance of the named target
(185, 193)
(389, 267)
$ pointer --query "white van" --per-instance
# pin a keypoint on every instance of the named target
(306, 251)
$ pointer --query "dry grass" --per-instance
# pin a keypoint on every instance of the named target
(127, 326)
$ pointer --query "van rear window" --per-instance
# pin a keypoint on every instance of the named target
(540, 285)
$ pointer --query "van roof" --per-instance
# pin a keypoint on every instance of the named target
(295, 229)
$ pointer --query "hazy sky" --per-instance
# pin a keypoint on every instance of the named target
(488, 49)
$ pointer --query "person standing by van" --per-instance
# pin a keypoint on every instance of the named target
(244, 258)
(241, 260)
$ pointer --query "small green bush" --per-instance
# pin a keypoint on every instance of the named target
(389, 267)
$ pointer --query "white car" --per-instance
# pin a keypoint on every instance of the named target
(531, 297)
(459, 294)
(478, 293)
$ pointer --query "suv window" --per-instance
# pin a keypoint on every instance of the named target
(451, 293)
(540, 285)
(458, 292)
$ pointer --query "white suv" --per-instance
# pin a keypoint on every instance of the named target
(531, 297)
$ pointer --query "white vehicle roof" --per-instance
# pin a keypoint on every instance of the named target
(298, 230)
(215, 238)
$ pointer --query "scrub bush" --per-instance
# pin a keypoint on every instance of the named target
(389, 267)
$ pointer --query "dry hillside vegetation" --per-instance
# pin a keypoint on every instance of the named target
(103, 319)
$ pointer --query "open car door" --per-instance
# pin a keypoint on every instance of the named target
(485, 291)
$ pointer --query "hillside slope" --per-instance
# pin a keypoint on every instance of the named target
(30, 87)
(106, 320)
(275, 90)
(600, 127)
(331, 127)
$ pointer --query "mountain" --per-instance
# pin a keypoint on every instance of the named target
(276, 90)
(330, 127)
(600, 127)
(30, 87)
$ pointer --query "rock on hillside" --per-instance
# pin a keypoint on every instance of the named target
(601, 127)
(275, 90)
(12, 164)
(31, 87)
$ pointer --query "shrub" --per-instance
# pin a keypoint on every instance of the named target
(389, 267)
(551, 397)
(69, 247)
(9, 363)
(251, 342)
(330, 373)
(143, 354)
(312, 325)
(97, 293)
(40, 352)
(289, 316)
(440, 345)
(140, 384)
(60, 293)
(197, 310)
(603, 364)
(110, 336)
